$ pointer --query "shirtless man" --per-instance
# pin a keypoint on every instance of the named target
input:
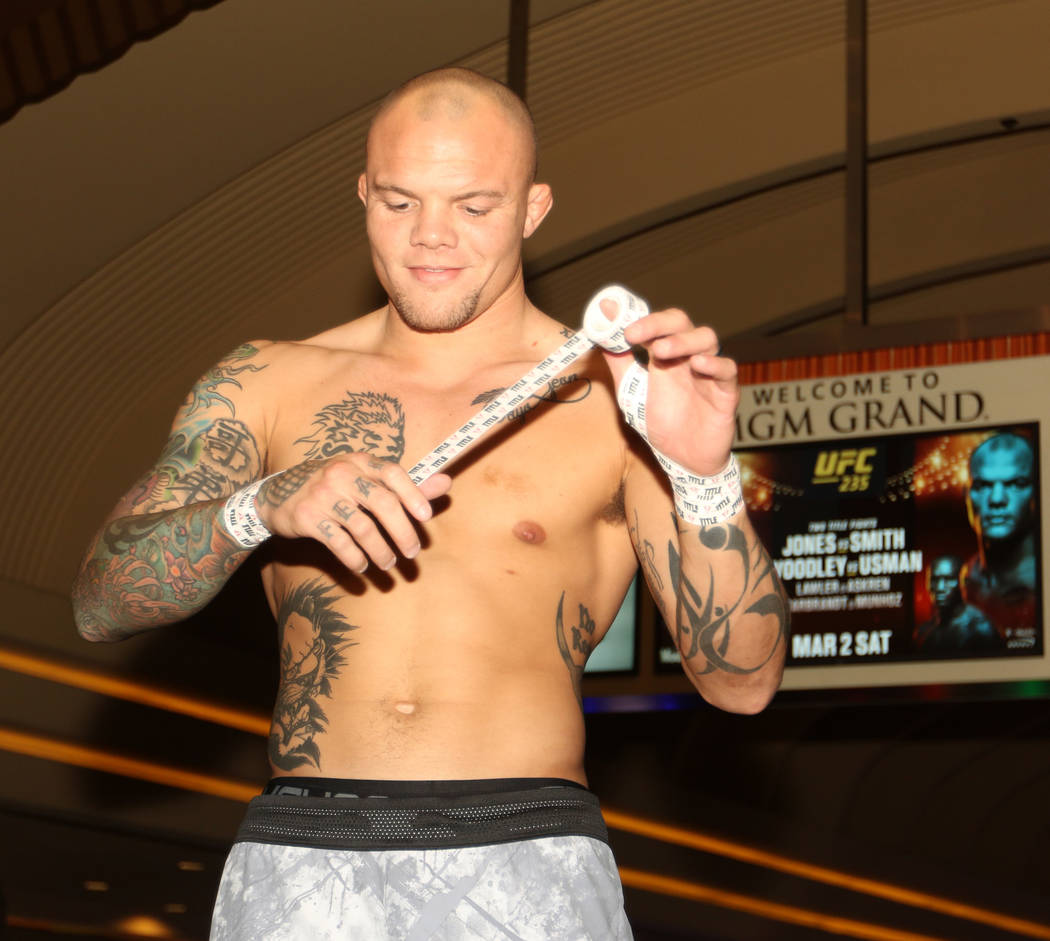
(1000, 500)
(427, 740)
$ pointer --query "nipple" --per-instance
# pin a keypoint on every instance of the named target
(530, 532)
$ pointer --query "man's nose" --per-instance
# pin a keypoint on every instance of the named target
(433, 228)
(998, 494)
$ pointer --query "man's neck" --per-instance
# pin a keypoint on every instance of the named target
(498, 333)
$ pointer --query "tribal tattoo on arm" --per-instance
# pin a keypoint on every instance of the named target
(704, 630)
(313, 638)
(204, 394)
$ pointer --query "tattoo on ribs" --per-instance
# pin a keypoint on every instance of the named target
(703, 630)
(362, 421)
(575, 644)
(313, 638)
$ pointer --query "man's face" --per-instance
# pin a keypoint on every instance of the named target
(1001, 498)
(448, 200)
(943, 583)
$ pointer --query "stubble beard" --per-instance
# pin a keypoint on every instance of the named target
(462, 312)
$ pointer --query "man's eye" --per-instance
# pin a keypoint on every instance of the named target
(474, 211)
(397, 207)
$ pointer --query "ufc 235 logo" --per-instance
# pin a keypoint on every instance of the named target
(848, 468)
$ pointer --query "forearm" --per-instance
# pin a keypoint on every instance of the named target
(730, 618)
(150, 570)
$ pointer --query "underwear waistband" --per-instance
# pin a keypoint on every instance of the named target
(324, 813)
(296, 786)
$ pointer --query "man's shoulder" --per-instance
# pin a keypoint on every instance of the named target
(346, 340)
(353, 336)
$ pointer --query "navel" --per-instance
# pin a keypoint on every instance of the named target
(530, 532)
(405, 708)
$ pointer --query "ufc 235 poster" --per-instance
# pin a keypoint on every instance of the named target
(903, 512)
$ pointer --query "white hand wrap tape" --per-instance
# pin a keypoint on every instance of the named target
(241, 518)
(701, 501)
(630, 396)
(598, 330)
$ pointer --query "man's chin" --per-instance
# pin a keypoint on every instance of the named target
(436, 319)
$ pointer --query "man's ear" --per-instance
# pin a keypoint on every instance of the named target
(362, 188)
(541, 199)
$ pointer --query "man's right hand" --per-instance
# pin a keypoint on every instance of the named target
(355, 504)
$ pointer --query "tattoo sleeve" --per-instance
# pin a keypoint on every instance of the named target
(146, 571)
(170, 554)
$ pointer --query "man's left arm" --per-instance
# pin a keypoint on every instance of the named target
(712, 578)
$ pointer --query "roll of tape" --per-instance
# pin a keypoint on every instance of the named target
(602, 331)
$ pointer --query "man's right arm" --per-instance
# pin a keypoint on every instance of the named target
(163, 553)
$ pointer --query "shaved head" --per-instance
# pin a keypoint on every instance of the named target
(449, 193)
(453, 94)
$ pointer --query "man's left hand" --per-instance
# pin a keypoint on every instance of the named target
(693, 393)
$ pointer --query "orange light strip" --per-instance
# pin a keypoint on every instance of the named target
(694, 892)
(108, 685)
(39, 746)
(63, 927)
(628, 823)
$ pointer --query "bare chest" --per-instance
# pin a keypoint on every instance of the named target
(549, 468)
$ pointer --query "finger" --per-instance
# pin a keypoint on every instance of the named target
(339, 543)
(366, 533)
(720, 368)
(695, 341)
(414, 498)
(659, 324)
(435, 486)
(388, 511)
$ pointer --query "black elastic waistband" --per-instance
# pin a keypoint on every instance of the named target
(296, 786)
(419, 814)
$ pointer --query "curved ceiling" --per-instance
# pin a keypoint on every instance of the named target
(158, 217)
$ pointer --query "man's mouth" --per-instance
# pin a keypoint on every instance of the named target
(434, 274)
